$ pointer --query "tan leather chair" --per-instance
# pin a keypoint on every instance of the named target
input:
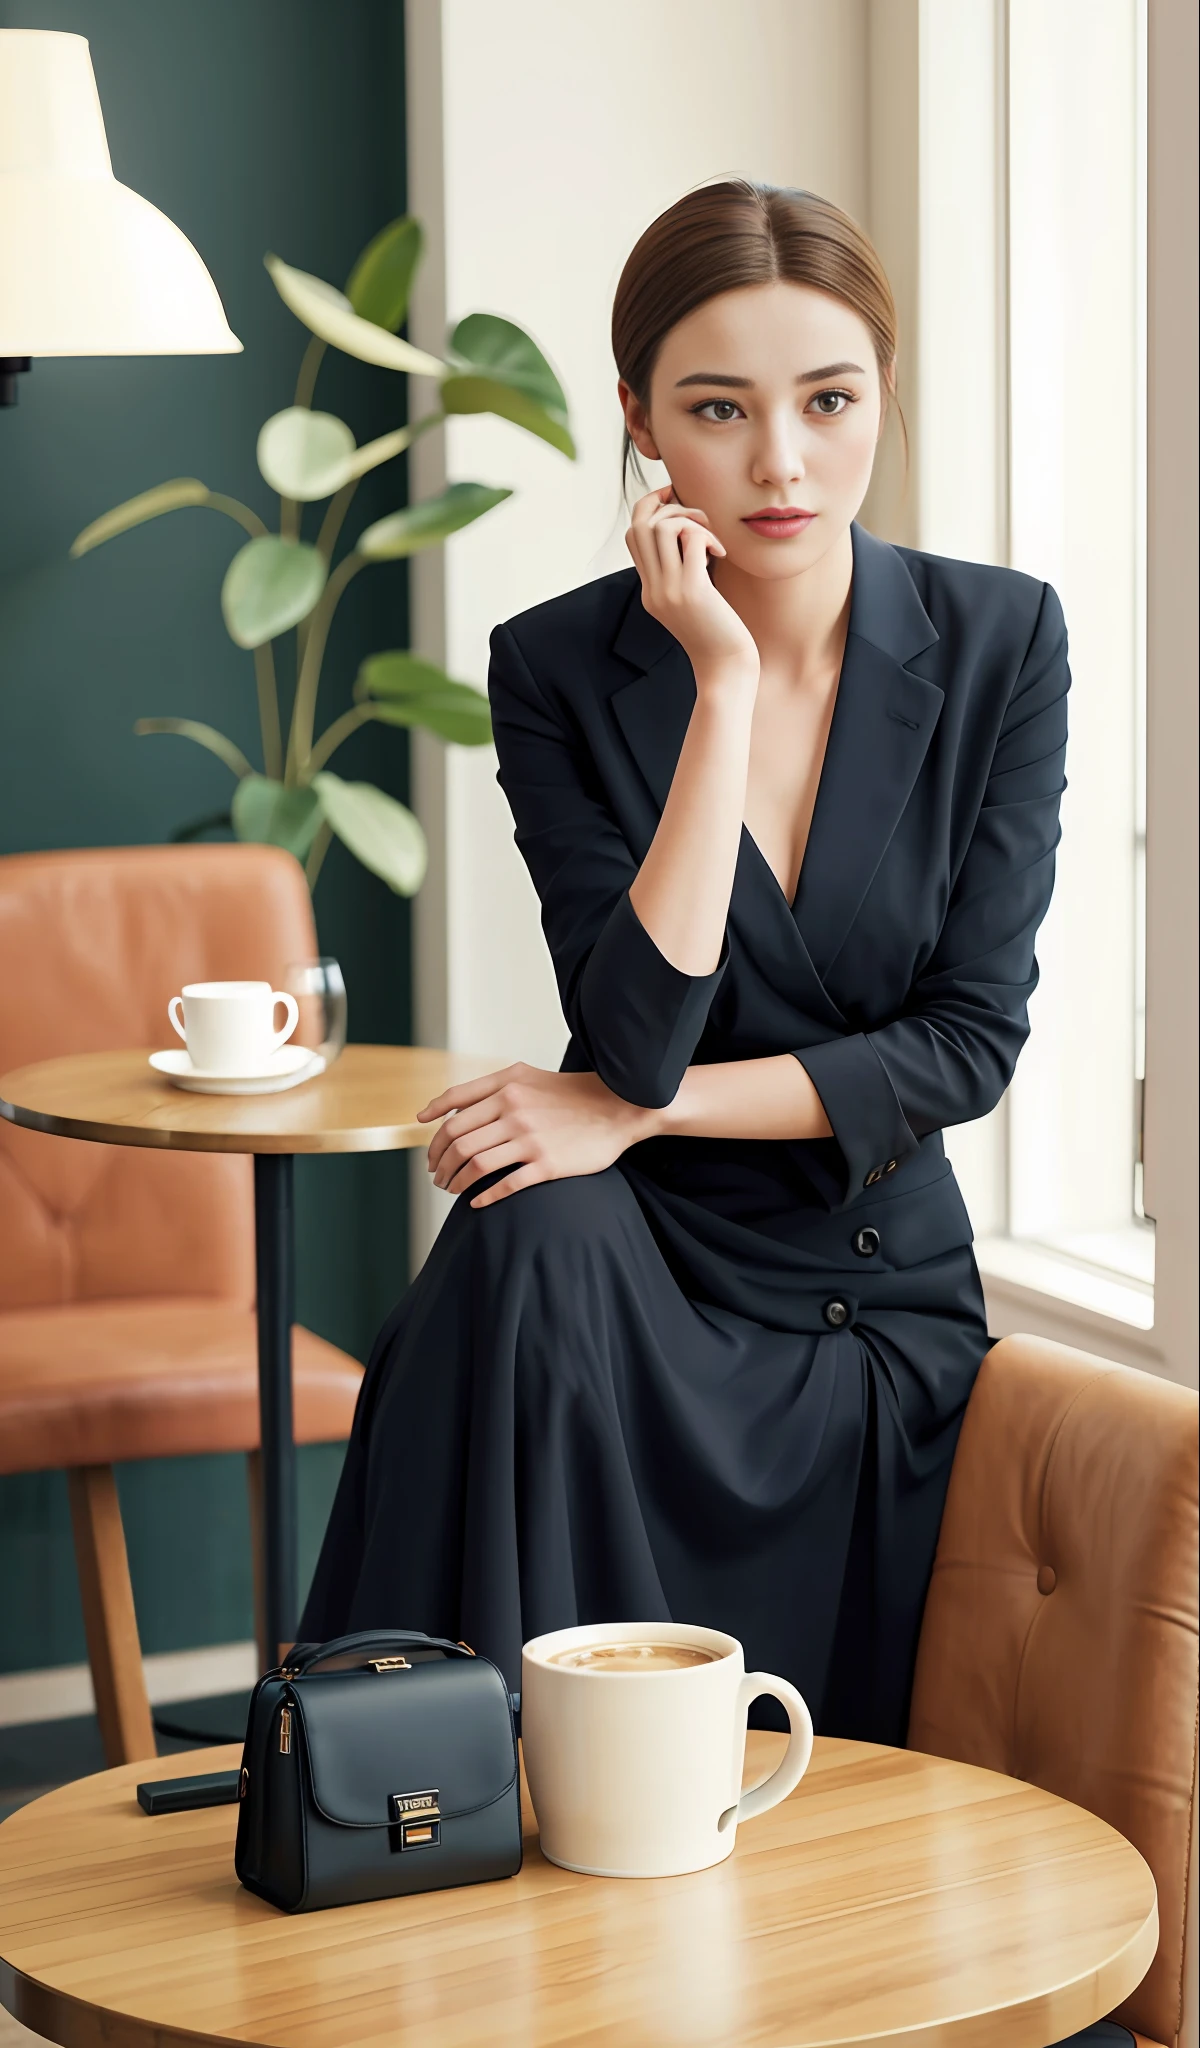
(1059, 1642)
(127, 1276)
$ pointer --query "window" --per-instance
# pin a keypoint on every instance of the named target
(1049, 126)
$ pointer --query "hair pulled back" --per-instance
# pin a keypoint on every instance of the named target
(727, 235)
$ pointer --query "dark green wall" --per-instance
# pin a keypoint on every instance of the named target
(254, 125)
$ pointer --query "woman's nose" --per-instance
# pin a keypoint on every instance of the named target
(780, 458)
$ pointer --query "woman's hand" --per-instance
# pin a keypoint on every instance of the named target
(670, 545)
(545, 1126)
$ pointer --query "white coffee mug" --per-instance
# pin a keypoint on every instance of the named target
(637, 1773)
(229, 1026)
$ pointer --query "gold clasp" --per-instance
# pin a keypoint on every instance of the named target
(419, 1817)
(389, 1663)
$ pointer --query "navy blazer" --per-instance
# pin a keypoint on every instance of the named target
(901, 974)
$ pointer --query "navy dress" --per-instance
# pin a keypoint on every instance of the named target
(722, 1381)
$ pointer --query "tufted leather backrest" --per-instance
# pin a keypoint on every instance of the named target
(1059, 1642)
(92, 946)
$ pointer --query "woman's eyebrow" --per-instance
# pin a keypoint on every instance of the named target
(747, 383)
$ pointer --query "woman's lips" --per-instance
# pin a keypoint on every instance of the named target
(780, 528)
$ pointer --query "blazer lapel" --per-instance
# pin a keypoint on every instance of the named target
(654, 709)
(883, 719)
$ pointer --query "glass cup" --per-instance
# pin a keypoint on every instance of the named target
(321, 994)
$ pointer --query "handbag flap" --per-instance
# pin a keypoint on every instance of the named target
(444, 1727)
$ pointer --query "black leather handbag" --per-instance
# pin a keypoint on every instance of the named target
(376, 1765)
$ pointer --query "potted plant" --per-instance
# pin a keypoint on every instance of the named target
(278, 583)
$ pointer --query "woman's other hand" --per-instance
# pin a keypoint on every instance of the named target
(670, 545)
(544, 1126)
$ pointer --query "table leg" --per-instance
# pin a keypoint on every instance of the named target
(274, 1230)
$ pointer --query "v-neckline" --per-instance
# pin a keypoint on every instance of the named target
(812, 823)
(779, 889)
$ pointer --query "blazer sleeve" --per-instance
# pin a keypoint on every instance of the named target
(951, 1053)
(636, 1018)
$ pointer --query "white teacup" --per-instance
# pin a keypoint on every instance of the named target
(229, 1026)
(635, 1764)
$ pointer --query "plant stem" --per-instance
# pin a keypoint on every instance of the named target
(304, 708)
(268, 711)
(335, 513)
(316, 854)
(199, 825)
(289, 519)
(310, 363)
(341, 729)
(236, 510)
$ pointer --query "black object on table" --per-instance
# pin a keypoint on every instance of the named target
(181, 1795)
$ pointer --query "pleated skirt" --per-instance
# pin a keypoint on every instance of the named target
(552, 1430)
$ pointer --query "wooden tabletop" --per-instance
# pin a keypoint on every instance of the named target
(891, 1895)
(366, 1102)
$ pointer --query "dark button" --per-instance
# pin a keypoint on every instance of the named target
(1046, 1581)
(890, 1167)
(866, 1242)
(875, 1174)
(835, 1313)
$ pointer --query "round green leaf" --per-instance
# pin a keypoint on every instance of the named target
(450, 715)
(182, 490)
(397, 673)
(380, 832)
(424, 525)
(269, 814)
(405, 690)
(304, 455)
(510, 402)
(270, 584)
(329, 314)
(379, 285)
(485, 342)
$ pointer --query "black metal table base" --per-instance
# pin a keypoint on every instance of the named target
(275, 1259)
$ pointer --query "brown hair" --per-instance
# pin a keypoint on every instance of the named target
(730, 234)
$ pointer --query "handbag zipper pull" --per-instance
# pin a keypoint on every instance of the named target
(285, 1732)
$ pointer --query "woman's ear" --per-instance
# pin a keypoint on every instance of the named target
(637, 422)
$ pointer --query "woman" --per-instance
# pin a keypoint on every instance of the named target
(696, 1340)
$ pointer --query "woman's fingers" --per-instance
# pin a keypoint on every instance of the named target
(485, 1162)
(524, 1177)
(470, 1145)
(464, 1094)
(458, 1123)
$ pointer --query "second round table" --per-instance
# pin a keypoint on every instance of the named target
(366, 1102)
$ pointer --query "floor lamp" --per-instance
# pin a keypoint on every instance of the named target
(87, 267)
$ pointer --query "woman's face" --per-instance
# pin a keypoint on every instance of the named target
(766, 398)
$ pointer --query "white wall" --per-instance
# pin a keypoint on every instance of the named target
(543, 139)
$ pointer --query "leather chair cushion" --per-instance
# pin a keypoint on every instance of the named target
(96, 1383)
(1059, 1641)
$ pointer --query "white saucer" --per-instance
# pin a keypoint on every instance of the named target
(286, 1068)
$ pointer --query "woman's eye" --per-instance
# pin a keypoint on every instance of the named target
(699, 410)
(830, 403)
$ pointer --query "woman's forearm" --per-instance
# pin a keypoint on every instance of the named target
(767, 1098)
(682, 889)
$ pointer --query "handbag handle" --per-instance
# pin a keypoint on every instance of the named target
(305, 1657)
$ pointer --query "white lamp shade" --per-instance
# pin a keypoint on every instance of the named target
(87, 268)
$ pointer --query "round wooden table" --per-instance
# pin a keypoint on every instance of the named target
(893, 1897)
(366, 1102)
